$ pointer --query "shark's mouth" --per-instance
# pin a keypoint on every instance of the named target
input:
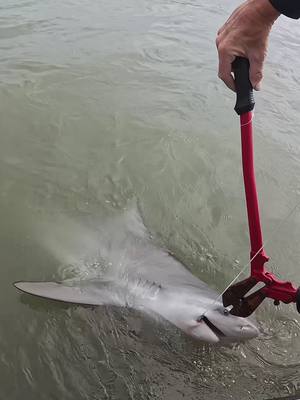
(213, 327)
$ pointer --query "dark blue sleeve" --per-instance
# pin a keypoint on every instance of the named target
(290, 8)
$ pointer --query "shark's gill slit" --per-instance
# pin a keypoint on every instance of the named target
(216, 330)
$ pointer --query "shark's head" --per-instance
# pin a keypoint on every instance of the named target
(218, 325)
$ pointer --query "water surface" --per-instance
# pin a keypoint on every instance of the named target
(105, 104)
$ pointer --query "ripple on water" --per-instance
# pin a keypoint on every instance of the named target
(102, 102)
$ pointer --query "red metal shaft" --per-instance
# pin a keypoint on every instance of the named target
(275, 288)
(255, 231)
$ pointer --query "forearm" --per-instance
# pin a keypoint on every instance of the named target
(290, 8)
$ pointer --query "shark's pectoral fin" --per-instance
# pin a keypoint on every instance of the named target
(88, 294)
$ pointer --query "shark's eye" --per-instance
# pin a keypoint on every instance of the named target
(225, 311)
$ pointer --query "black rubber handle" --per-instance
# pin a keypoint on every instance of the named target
(244, 91)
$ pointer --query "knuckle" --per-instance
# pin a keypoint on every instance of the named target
(258, 75)
(222, 50)
(257, 57)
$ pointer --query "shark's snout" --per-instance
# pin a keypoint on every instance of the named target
(235, 329)
(218, 325)
(249, 331)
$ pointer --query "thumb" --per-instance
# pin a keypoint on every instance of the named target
(256, 70)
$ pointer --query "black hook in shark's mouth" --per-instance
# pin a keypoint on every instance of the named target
(213, 327)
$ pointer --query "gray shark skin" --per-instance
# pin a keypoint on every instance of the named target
(145, 277)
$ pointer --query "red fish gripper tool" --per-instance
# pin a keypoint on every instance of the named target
(274, 288)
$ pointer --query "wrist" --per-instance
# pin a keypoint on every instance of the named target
(266, 11)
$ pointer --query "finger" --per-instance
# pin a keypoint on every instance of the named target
(256, 70)
(225, 62)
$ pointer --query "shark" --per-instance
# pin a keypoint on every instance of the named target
(144, 276)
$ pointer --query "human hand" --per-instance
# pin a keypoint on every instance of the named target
(245, 34)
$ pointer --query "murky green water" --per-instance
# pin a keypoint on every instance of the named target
(108, 103)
